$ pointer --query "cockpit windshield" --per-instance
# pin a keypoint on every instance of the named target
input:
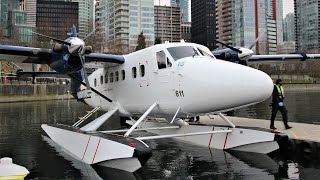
(179, 52)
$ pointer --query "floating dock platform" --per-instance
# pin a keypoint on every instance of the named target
(299, 131)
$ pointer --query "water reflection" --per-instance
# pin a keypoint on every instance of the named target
(303, 107)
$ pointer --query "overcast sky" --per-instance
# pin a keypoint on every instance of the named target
(287, 7)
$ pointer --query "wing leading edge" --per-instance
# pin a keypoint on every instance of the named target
(280, 58)
(25, 54)
(21, 54)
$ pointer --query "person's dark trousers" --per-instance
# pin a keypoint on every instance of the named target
(284, 113)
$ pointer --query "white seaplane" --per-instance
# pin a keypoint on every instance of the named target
(170, 81)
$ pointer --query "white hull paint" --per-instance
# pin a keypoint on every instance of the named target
(197, 85)
(241, 139)
(88, 148)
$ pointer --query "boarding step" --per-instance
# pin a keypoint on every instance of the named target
(89, 113)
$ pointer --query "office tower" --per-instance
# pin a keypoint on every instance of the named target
(167, 23)
(55, 18)
(13, 27)
(127, 20)
(186, 31)
(203, 22)
(307, 25)
(240, 22)
(86, 17)
(289, 28)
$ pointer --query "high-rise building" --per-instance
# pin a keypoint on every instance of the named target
(203, 22)
(240, 22)
(289, 27)
(307, 25)
(174, 3)
(101, 33)
(86, 16)
(31, 10)
(184, 7)
(13, 27)
(55, 18)
(167, 23)
(186, 31)
(127, 20)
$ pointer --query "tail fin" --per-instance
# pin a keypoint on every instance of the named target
(73, 32)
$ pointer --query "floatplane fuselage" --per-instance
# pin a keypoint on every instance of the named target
(177, 75)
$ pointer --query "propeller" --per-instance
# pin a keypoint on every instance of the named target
(255, 42)
(230, 47)
(76, 47)
(55, 39)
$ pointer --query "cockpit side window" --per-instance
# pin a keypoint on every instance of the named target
(204, 52)
(162, 60)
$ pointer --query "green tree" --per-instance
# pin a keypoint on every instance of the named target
(141, 42)
(157, 41)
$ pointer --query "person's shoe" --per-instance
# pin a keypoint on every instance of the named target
(272, 127)
(288, 127)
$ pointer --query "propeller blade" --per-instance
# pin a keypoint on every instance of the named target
(255, 42)
(93, 31)
(95, 91)
(84, 71)
(55, 39)
(230, 47)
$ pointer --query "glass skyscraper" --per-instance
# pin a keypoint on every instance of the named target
(307, 25)
(86, 17)
(240, 22)
(13, 28)
(288, 28)
(127, 20)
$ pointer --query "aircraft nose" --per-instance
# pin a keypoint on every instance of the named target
(217, 85)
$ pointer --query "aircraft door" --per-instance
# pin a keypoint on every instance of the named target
(165, 77)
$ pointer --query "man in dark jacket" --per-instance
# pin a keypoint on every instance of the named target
(278, 104)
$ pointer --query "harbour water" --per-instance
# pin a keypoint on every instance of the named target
(21, 138)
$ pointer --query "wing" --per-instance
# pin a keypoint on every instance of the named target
(21, 54)
(280, 58)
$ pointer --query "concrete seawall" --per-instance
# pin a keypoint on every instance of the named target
(33, 92)
(301, 87)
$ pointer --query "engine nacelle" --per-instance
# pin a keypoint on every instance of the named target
(66, 63)
(58, 48)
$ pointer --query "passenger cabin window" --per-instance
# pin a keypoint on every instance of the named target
(162, 60)
(142, 70)
(117, 75)
(101, 79)
(134, 72)
(95, 82)
(123, 75)
(106, 78)
(111, 77)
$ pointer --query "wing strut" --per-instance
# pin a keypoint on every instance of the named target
(94, 125)
(175, 115)
(226, 120)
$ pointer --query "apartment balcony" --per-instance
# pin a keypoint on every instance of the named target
(121, 8)
(122, 25)
(121, 2)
